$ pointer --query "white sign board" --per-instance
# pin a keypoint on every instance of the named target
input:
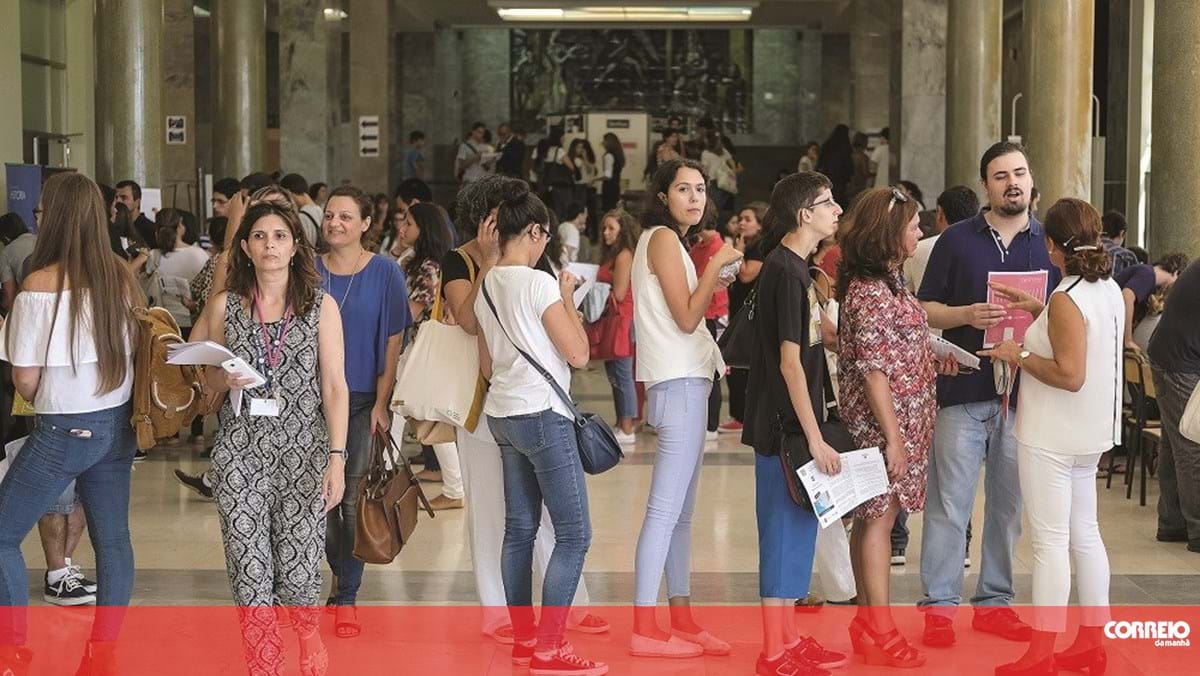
(368, 136)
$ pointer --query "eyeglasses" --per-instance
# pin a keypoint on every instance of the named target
(827, 200)
(897, 196)
(543, 229)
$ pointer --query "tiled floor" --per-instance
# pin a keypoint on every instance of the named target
(180, 560)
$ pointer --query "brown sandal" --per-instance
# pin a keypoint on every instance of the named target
(888, 650)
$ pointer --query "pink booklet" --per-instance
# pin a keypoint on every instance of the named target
(1016, 322)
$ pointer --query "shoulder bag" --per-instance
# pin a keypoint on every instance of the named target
(598, 448)
(610, 336)
(450, 356)
(737, 342)
(794, 453)
(389, 499)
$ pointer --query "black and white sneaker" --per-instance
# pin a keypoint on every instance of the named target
(196, 483)
(140, 455)
(88, 585)
(68, 591)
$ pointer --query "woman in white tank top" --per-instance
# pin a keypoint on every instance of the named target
(1068, 414)
(678, 360)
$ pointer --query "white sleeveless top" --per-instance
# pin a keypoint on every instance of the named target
(1087, 421)
(663, 351)
(63, 388)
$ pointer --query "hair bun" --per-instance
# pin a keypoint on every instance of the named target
(516, 192)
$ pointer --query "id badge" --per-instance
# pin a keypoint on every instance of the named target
(268, 408)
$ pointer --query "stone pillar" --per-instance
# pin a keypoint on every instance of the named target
(809, 91)
(1058, 95)
(973, 62)
(1137, 127)
(11, 143)
(370, 73)
(81, 84)
(179, 98)
(1174, 200)
(447, 129)
(239, 29)
(129, 91)
(304, 106)
(870, 65)
(775, 86)
(921, 140)
(485, 76)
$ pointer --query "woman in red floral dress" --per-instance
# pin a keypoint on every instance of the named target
(888, 400)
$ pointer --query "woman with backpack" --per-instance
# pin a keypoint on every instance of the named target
(70, 340)
(279, 461)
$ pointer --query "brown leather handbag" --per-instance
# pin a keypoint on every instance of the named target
(389, 499)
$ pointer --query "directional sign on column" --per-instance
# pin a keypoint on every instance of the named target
(368, 136)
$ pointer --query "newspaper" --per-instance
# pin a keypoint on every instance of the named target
(863, 477)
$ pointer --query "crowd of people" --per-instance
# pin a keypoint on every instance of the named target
(846, 275)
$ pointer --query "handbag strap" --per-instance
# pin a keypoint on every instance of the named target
(384, 441)
(566, 398)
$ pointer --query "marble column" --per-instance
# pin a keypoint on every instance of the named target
(239, 86)
(973, 61)
(447, 128)
(485, 76)
(1137, 127)
(870, 65)
(304, 106)
(179, 98)
(370, 72)
(11, 149)
(921, 140)
(130, 127)
(1174, 200)
(775, 86)
(809, 90)
(1058, 95)
(81, 83)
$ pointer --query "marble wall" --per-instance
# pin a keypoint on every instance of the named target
(485, 76)
(10, 89)
(920, 143)
(775, 91)
(808, 93)
(180, 187)
(835, 83)
(870, 64)
(305, 114)
(447, 125)
(371, 67)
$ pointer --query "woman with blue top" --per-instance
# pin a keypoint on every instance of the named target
(373, 300)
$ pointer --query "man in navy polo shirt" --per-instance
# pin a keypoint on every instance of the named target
(972, 430)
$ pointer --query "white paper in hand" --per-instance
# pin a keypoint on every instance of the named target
(863, 477)
(586, 272)
(943, 348)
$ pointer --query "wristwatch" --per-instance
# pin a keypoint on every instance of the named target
(1021, 357)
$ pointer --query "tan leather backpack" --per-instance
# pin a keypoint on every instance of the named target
(166, 397)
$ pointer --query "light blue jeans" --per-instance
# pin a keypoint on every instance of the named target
(678, 409)
(620, 377)
(967, 438)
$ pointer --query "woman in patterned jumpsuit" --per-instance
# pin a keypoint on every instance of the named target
(278, 460)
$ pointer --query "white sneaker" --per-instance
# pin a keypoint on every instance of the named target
(625, 438)
(712, 435)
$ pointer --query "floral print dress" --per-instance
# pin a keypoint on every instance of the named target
(883, 328)
(423, 287)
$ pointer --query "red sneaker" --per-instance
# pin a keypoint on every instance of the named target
(786, 665)
(730, 427)
(1002, 622)
(939, 631)
(564, 662)
(810, 651)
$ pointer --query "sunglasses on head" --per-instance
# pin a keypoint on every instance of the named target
(897, 196)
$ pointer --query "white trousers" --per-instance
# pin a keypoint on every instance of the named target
(1060, 499)
(483, 478)
(832, 563)
(452, 476)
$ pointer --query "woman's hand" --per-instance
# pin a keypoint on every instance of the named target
(896, 459)
(333, 485)
(567, 283)
(489, 239)
(827, 458)
(381, 418)
(946, 367)
(221, 380)
(1018, 299)
(726, 255)
(1008, 351)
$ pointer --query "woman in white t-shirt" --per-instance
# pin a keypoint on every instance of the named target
(69, 339)
(172, 260)
(521, 309)
(1069, 413)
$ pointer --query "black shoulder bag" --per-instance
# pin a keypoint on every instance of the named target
(598, 448)
(737, 341)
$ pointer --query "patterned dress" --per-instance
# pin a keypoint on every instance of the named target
(883, 328)
(424, 284)
(267, 483)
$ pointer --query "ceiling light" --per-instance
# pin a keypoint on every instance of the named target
(638, 13)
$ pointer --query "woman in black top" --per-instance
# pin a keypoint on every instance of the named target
(837, 161)
(786, 397)
(613, 164)
(751, 231)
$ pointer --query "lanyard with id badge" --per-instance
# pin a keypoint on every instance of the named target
(270, 355)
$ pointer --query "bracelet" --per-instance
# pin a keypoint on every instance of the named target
(337, 451)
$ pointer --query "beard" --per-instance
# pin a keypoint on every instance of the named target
(1012, 209)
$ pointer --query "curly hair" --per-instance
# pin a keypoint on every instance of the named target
(476, 199)
(1074, 227)
(872, 248)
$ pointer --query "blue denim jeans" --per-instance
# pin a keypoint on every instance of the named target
(620, 377)
(341, 521)
(95, 450)
(540, 458)
(678, 409)
(967, 438)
